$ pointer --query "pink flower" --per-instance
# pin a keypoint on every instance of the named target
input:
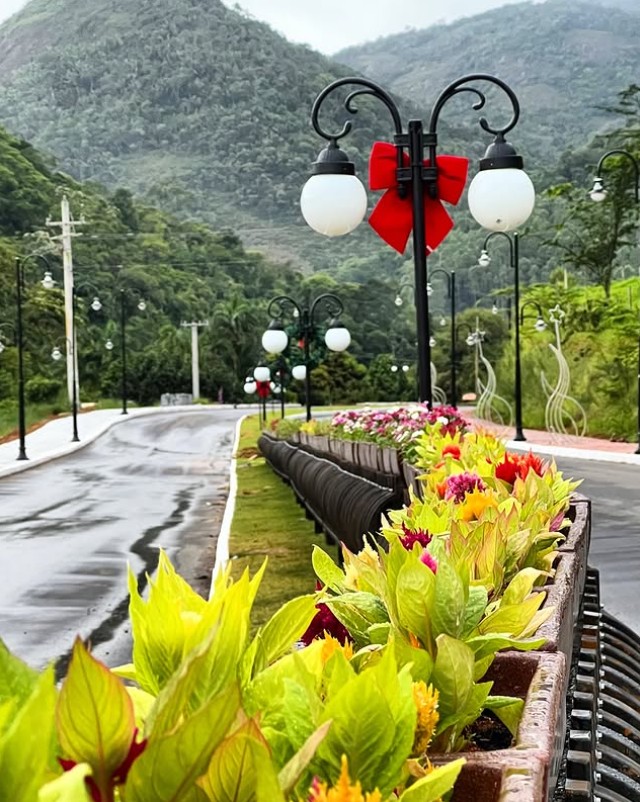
(429, 561)
(458, 485)
(416, 536)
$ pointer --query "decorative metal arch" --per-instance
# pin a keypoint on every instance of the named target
(489, 402)
(439, 395)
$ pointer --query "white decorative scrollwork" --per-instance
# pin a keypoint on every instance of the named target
(438, 394)
(489, 402)
(558, 415)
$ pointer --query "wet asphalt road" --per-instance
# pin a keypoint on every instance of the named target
(615, 541)
(68, 529)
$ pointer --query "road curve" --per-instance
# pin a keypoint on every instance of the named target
(68, 529)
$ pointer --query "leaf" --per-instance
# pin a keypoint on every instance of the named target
(241, 770)
(291, 773)
(69, 787)
(435, 784)
(520, 586)
(452, 675)
(508, 709)
(474, 610)
(286, 626)
(487, 645)
(18, 680)
(512, 619)
(447, 614)
(26, 746)
(414, 599)
(94, 716)
(170, 765)
(326, 570)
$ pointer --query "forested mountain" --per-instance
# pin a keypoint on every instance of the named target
(566, 60)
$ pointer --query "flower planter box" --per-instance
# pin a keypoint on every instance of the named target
(411, 474)
(578, 535)
(390, 460)
(528, 770)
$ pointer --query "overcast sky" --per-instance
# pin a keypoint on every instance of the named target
(330, 25)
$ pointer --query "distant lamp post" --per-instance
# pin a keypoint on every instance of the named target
(333, 202)
(484, 261)
(141, 307)
(450, 277)
(394, 368)
(56, 355)
(598, 194)
(275, 340)
(405, 368)
(109, 345)
(262, 376)
(540, 324)
(299, 372)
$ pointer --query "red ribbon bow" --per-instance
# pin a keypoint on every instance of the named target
(263, 389)
(392, 218)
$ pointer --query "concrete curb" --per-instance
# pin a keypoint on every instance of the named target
(34, 462)
(222, 546)
(576, 453)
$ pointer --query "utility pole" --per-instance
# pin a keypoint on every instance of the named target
(66, 224)
(195, 354)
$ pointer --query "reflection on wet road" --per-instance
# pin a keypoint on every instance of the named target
(68, 528)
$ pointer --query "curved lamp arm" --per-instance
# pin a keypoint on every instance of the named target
(446, 273)
(509, 239)
(537, 307)
(333, 306)
(634, 163)
(280, 306)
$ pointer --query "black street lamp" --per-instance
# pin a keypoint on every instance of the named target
(275, 340)
(514, 261)
(598, 194)
(540, 324)
(142, 305)
(333, 202)
(450, 276)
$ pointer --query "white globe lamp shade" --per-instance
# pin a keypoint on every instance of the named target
(429, 289)
(598, 193)
(262, 373)
(276, 389)
(337, 337)
(275, 340)
(108, 345)
(394, 368)
(443, 321)
(471, 340)
(250, 388)
(398, 301)
(96, 305)
(1, 346)
(432, 342)
(47, 282)
(299, 372)
(494, 310)
(501, 196)
(540, 325)
(333, 201)
(484, 260)
(405, 368)
(56, 354)
(142, 305)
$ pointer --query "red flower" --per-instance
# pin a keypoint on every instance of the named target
(530, 462)
(507, 470)
(454, 451)
(417, 536)
(325, 621)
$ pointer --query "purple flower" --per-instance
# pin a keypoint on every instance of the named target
(325, 621)
(458, 485)
(416, 536)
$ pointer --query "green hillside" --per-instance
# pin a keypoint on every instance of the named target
(564, 58)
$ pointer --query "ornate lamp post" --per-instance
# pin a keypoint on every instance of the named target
(275, 340)
(514, 260)
(598, 194)
(540, 324)
(333, 202)
(450, 277)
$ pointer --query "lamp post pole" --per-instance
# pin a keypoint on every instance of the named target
(450, 276)
(337, 338)
(123, 351)
(599, 193)
(415, 187)
(74, 392)
(514, 261)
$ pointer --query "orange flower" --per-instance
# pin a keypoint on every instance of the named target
(332, 645)
(475, 504)
(426, 701)
(343, 790)
(441, 488)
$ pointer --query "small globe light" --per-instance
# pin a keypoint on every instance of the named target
(333, 201)
(47, 282)
(262, 373)
(142, 305)
(494, 310)
(540, 325)
(299, 372)
(250, 387)
(398, 301)
(443, 321)
(432, 342)
(429, 289)
(275, 339)
(296, 313)
(276, 389)
(471, 340)
(95, 304)
(56, 354)
(337, 337)
(394, 368)
(405, 368)
(108, 345)
(484, 260)
(598, 193)
(501, 196)
(1, 346)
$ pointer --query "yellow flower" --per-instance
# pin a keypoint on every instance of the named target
(475, 504)
(331, 645)
(343, 790)
(426, 702)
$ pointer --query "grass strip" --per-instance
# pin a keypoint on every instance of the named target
(268, 522)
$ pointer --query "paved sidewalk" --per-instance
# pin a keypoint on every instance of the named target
(589, 448)
(53, 440)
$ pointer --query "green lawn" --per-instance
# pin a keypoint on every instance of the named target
(269, 523)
